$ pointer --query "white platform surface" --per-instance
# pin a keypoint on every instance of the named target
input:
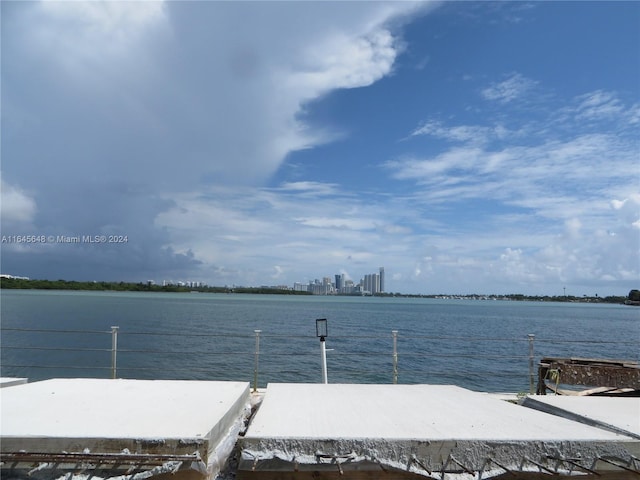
(620, 412)
(99, 408)
(405, 412)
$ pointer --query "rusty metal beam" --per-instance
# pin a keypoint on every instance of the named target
(95, 458)
(618, 374)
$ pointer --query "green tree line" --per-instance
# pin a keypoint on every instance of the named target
(18, 283)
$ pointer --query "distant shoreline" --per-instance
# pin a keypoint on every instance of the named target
(28, 284)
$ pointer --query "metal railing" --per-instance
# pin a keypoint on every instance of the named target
(367, 358)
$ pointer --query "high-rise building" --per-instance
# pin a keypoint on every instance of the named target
(348, 287)
(339, 281)
(321, 288)
(382, 279)
(371, 283)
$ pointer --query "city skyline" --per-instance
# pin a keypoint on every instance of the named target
(468, 146)
(369, 284)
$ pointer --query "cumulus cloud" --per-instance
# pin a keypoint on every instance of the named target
(191, 84)
(352, 62)
(139, 106)
(628, 209)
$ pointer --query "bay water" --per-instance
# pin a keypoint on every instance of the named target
(482, 345)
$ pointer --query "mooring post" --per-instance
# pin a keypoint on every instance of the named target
(255, 366)
(394, 333)
(114, 351)
(531, 374)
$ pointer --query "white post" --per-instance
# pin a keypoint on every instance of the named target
(255, 366)
(323, 354)
(531, 373)
(395, 356)
(114, 350)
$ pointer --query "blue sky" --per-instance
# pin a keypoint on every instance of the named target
(466, 147)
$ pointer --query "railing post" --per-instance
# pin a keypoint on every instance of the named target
(531, 373)
(255, 367)
(394, 333)
(323, 360)
(114, 350)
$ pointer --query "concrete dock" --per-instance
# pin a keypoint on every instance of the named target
(190, 424)
(416, 430)
(138, 429)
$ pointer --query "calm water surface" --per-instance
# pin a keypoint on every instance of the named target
(474, 344)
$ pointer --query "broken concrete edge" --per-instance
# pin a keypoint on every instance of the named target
(220, 453)
(424, 457)
(207, 460)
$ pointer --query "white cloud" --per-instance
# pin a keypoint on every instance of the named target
(599, 104)
(86, 38)
(17, 206)
(220, 86)
(142, 109)
(515, 86)
(459, 133)
(278, 272)
(428, 170)
(629, 208)
(277, 228)
(554, 175)
(309, 188)
(344, 62)
(164, 121)
(573, 227)
(337, 222)
(580, 207)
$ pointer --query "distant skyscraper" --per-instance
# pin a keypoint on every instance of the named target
(382, 279)
(339, 281)
(372, 283)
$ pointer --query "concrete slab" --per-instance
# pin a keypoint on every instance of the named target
(618, 414)
(11, 381)
(109, 416)
(413, 428)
